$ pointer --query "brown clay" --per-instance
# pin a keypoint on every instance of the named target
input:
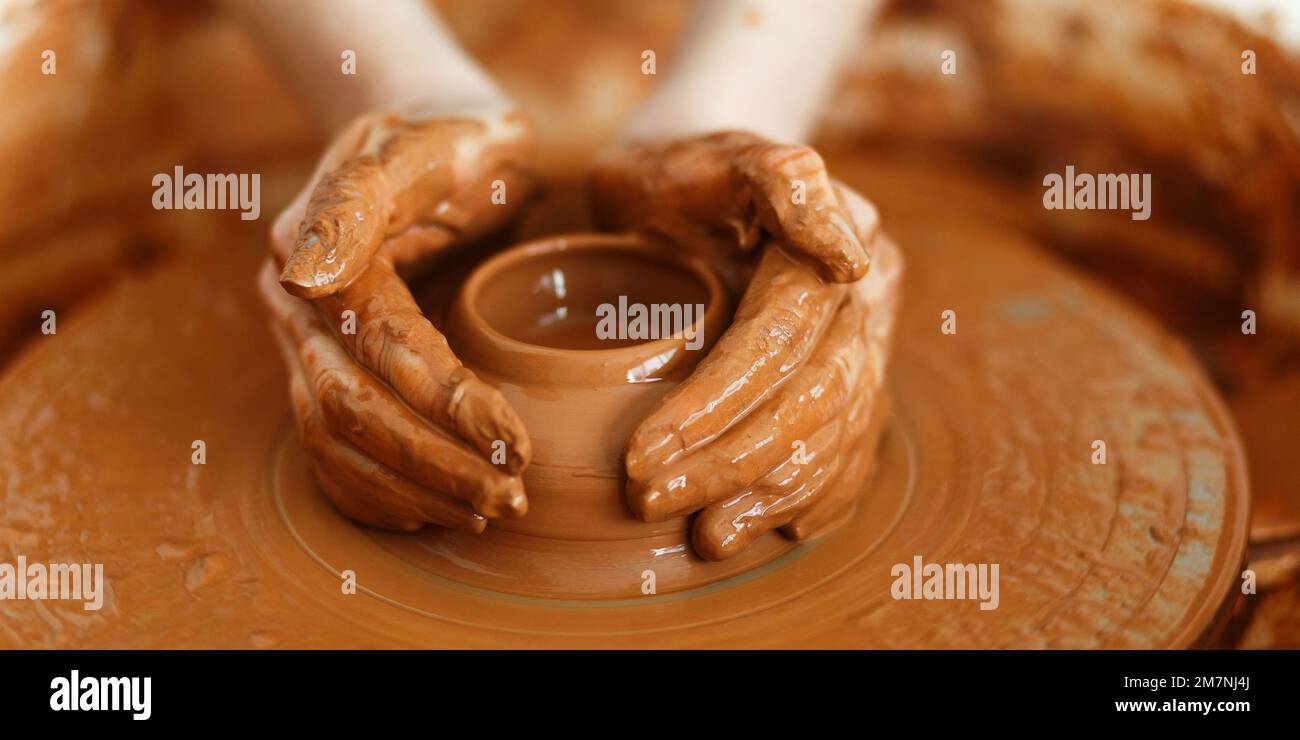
(580, 402)
(384, 193)
(753, 436)
(397, 428)
(232, 586)
(408, 185)
(1267, 419)
(740, 186)
(244, 551)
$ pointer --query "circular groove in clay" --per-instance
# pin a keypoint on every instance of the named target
(96, 426)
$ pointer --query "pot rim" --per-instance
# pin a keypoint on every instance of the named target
(506, 356)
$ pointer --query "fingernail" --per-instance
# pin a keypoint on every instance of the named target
(474, 525)
(518, 505)
(710, 546)
(854, 259)
(503, 498)
(648, 505)
(307, 290)
(519, 450)
(302, 274)
(481, 401)
(296, 282)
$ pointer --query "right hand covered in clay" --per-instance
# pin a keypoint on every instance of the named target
(399, 433)
(775, 427)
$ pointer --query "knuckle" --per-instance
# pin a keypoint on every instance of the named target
(373, 336)
(340, 414)
(791, 158)
(329, 383)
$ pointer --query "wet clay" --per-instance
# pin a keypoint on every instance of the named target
(734, 187)
(406, 185)
(581, 404)
(400, 433)
(552, 295)
(1267, 419)
(754, 438)
(986, 459)
(526, 322)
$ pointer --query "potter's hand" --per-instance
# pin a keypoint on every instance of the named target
(770, 429)
(413, 186)
(399, 432)
(733, 189)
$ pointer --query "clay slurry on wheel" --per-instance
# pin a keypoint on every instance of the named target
(999, 418)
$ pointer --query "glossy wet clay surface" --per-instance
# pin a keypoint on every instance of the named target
(1145, 550)
(554, 300)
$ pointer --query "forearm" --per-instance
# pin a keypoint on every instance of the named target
(764, 66)
(406, 58)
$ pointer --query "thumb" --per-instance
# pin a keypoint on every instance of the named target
(797, 204)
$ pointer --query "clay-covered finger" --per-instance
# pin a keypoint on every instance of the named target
(387, 491)
(782, 314)
(362, 488)
(726, 528)
(346, 500)
(342, 221)
(309, 425)
(365, 412)
(811, 490)
(814, 395)
(848, 485)
(354, 507)
(862, 214)
(686, 190)
(345, 222)
(445, 174)
(398, 344)
(797, 204)
(878, 293)
(284, 230)
(462, 216)
(392, 338)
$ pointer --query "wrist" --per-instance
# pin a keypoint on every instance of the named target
(763, 66)
(696, 108)
(447, 82)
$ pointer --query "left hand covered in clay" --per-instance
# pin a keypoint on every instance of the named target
(398, 432)
(775, 427)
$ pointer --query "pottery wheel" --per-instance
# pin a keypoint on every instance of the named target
(989, 459)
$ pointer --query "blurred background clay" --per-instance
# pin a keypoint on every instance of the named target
(1221, 145)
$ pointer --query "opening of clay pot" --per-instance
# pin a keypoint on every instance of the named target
(589, 308)
(605, 297)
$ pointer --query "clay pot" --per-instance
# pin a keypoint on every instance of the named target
(526, 320)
